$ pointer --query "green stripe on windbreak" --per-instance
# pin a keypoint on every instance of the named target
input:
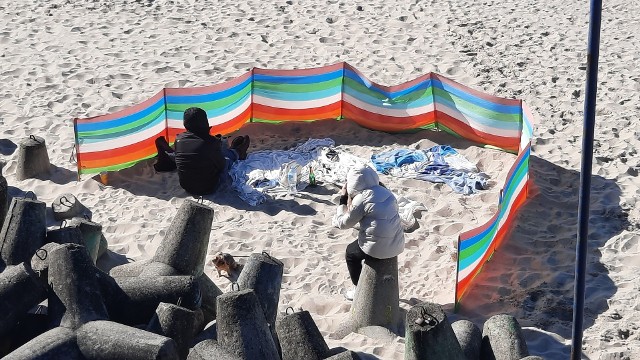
(476, 109)
(214, 104)
(298, 88)
(517, 177)
(114, 167)
(142, 121)
(282, 121)
(475, 247)
(406, 98)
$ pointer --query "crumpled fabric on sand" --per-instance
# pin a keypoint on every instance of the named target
(262, 174)
(438, 164)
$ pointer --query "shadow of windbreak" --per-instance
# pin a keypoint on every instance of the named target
(532, 275)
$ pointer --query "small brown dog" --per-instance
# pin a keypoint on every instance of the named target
(225, 262)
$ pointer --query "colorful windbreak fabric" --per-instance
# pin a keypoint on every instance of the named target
(121, 139)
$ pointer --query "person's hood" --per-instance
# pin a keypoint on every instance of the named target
(361, 178)
(196, 121)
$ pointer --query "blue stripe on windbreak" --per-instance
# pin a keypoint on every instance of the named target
(508, 109)
(102, 125)
(390, 94)
(387, 104)
(473, 240)
(464, 263)
(203, 98)
(296, 96)
(87, 139)
(494, 123)
(513, 179)
(300, 79)
(178, 115)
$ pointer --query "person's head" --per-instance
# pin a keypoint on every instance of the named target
(196, 121)
(361, 178)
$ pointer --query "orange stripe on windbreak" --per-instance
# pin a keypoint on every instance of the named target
(128, 150)
(224, 128)
(110, 161)
(385, 122)
(469, 133)
(464, 284)
(280, 114)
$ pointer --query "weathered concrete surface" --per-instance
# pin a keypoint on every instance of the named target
(300, 338)
(469, 337)
(33, 159)
(23, 231)
(174, 322)
(502, 339)
(57, 343)
(20, 290)
(429, 335)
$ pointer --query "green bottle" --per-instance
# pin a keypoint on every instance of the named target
(312, 177)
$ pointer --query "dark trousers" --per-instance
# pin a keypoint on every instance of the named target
(354, 256)
(164, 162)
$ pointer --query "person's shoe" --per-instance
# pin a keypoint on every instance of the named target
(241, 145)
(350, 294)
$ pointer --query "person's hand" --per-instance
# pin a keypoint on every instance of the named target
(344, 197)
(343, 191)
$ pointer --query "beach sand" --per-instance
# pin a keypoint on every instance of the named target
(64, 59)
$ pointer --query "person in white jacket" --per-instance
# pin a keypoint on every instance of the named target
(366, 201)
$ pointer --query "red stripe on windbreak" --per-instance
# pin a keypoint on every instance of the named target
(299, 72)
(281, 113)
(473, 92)
(356, 113)
(474, 232)
(124, 112)
(224, 128)
(204, 90)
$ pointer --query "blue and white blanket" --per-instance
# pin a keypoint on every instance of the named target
(439, 164)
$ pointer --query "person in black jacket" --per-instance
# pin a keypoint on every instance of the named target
(201, 159)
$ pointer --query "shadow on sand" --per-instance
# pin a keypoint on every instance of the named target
(532, 275)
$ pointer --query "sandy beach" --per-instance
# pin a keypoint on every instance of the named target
(61, 60)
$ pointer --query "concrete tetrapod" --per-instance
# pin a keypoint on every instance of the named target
(345, 355)
(66, 206)
(65, 235)
(33, 159)
(134, 300)
(184, 247)
(429, 335)
(469, 337)
(210, 349)
(502, 339)
(300, 338)
(531, 357)
(4, 199)
(106, 340)
(75, 298)
(377, 297)
(91, 234)
(23, 232)
(242, 327)
(174, 322)
(263, 274)
(57, 343)
(20, 290)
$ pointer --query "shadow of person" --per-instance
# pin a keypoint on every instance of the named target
(531, 276)
(7, 147)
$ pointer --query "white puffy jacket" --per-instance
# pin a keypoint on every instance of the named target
(376, 209)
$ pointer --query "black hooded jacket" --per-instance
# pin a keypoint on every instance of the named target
(199, 157)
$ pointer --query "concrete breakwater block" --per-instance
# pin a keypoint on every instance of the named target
(210, 293)
(344, 355)
(469, 337)
(66, 206)
(300, 337)
(20, 290)
(429, 335)
(57, 343)
(502, 339)
(33, 324)
(4, 199)
(532, 358)
(131, 269)
(174, 322)
(91, 234)
(377, 297)
(184, 247)
(210, 349)
(75, 298)
(65, 235)
(33, 159)
(106, 340)
(23, 232)
(40, 261)
(242, 327)
(263, 274)
(133, 300)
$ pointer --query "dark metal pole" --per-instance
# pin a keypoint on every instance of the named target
(585, 176)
